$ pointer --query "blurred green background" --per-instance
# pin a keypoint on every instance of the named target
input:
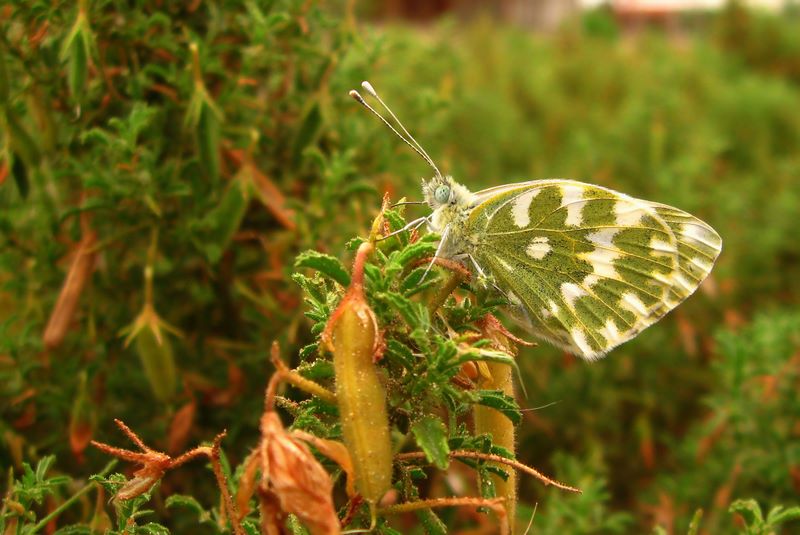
(113, 130)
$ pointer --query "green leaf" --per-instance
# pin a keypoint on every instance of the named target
(208, 139)
(318, 369)
(182, 500)
(488, 488)
(189, 502)
(307, 351)
(308, 130)
(21, 141)
(751, 512)
(4, 85)
(500, 401)
(251, 527)
(414, 314)
(415, 251)
(314, 287)
(432, 523)
(276, 19)
(152, 528)
(431, 435)
(77, 67)
(400, 353)
(396, 221)
(326, 264)
(218, 227)
(20, 173)
(778, 515)
(496, 470)
(75, 529)
(694, 525)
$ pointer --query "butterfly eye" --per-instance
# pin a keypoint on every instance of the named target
(442, 194)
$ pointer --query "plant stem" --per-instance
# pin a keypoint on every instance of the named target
(229, 506)
(495, 504)
(64, 506)
(466, 454)
(284, 375)
(152, 250)
(444, 292)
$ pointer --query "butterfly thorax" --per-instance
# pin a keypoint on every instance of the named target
(451, 204)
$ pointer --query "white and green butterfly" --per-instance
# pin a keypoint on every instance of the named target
(589, 267)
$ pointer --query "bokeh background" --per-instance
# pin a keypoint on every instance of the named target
(129, 129)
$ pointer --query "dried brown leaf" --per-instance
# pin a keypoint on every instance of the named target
(335, 451)
(297, 479)
(180, 427)
(64, 310)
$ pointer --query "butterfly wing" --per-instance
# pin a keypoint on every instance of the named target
(591, 267)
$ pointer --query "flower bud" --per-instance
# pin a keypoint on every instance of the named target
(155, 352)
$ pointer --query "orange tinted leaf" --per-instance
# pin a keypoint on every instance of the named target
(299, 481)
(64, 310)
(180, 427)
(337, 452)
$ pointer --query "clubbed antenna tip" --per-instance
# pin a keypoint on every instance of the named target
(369, 89)
(353, 93)
(407, 138)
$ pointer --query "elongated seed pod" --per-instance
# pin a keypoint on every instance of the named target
(208, 138)
(494, 423)
(352, 334)
(20, 140)
(64, 310)
(81, 419)
(158, 362)
(225, 219)
(75, 50)
(4, 84)
(77, 66)
(204, 118)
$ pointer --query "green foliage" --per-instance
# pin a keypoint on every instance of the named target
(34, 485)
(744, 445)
(225, 127)
(582, 514)
(756, 524)
(431, 435)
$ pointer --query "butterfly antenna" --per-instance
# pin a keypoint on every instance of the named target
(412, 143)
(371, 90)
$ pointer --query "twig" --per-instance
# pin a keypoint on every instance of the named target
(155, 464)
(284, 374)
(464, 454)
(230, 507)
(495, 504)
(72, 499)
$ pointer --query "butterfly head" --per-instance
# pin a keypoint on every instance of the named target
(442, 191)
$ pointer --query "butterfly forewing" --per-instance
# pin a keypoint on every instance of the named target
(591, 267)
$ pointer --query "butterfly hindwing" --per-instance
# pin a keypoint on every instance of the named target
(591, 267)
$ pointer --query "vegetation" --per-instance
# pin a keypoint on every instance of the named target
(181, 184)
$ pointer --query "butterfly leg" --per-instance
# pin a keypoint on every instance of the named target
(405, 203)
(477, 267)
(410, 226)
(482, 274)
(438, 253)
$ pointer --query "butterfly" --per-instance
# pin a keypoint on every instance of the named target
(588, 267)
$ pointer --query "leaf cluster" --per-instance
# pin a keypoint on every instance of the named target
(425, 350)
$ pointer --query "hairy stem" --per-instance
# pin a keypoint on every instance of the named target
(72, 499)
